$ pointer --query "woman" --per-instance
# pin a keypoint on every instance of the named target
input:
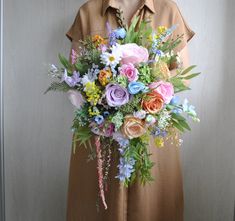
(161, 200)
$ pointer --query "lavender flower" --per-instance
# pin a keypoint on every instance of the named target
(71, 81)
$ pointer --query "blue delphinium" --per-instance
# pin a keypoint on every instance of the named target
(175, 102)
(112, 38)
(120, 33)
(126, 168)
(106, 114)
(189, 109)
(99, 119)
(158, 132)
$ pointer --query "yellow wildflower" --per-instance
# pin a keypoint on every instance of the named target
(92, 92)
(145, 138)
(93, 111)
(159, 142)
(161, 30)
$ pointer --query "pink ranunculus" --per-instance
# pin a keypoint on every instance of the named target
(129, 71)
(166, 89)
(76, 98)
(132, 53)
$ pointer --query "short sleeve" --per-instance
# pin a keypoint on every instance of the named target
(182, 29)
(75, 31)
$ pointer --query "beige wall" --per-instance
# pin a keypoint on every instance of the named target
(37, 135)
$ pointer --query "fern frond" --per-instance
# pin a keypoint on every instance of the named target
(57, 86)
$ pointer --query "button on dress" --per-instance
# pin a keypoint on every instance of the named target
(160, 200)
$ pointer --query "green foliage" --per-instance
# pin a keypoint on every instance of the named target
(145, 74)
(117, 120)
(81, 67)
(178, 80)
(138, 34)
(81, 135)
(170, 44)
(131, 34)
(81, 117)
(139, 151)
(64, 61)
(121, 79)
(57, 86)
(132, 106)
(178, 85)
(187, 70)
(180, 122)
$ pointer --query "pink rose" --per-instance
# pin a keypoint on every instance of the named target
(129, 71)
(132, 53)
(166, 89)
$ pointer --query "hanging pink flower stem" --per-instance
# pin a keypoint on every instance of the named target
(100, 170)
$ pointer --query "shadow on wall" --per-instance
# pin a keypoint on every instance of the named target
(209, 165)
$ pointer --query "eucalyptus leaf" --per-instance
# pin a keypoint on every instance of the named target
(187, 70)
(191, 76)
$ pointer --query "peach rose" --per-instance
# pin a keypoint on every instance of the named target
(153, 102)
(133, 127)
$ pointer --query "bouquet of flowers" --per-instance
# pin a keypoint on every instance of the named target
(124, 94)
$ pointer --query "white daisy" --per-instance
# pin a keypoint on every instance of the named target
(113, 58)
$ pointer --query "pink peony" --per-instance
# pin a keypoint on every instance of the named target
(132, 53)
(164, 88)
(129, 71)
(76, 98)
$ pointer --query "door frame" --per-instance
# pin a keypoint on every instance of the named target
(2, 169)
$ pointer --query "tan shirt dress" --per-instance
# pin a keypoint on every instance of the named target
(161, 200)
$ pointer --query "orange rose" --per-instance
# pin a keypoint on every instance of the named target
(153, 102)
(104, 77)
(133, 127)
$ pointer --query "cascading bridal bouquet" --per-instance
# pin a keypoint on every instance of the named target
(124, 94)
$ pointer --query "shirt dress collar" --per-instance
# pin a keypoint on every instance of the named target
(113, 4)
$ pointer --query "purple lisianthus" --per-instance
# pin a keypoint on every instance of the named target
(116, 95)
(71, 80)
